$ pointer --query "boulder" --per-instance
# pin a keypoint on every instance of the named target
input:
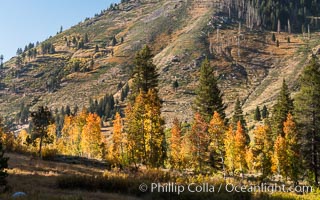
(19, 194)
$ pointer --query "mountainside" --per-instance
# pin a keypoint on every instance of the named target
(96, 56)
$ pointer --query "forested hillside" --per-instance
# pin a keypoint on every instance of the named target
(182, 91)
(275, 15)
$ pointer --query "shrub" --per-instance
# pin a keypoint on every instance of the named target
(49, 154)
(106, 184)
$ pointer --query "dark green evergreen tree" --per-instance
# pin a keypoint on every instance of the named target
(86, 38)
(264, 112)
(74, 40)
(114, 41)
(175, 85)
(257, 114)
(238, 114)
(3, 159)
(307, 111)
(209, 96)
(145, 75)
(96, 48)
(75, 110)
(3, 166)
(283, 106)
(41, 119)
(273, 37)
(68, 110)
(1, 61)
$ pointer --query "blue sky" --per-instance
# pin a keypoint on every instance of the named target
(24, 21)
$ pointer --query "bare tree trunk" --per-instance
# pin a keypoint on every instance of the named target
(289, 26)
(279, 26)
(309, 35)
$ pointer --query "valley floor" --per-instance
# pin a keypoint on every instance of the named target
(37, 178)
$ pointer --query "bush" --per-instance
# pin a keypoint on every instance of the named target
(49, 154)
(106, 184)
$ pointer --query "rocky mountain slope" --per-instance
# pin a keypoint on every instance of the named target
(181, 33)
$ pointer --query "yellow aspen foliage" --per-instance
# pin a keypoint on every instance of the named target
(135, 130)
(70, 140)
(262, 150)
(8, 141)
(7, 138)
(240, 148)
(22, 137)
(91, 137)
(52, 134)
(21, 141)
(293, 148)
(249, 158)
(279, 159)
(199, 141)
(185, 151)
(117, 150)
(154, 132)
(176, 154)
(65, 143)
(230, 147)
(216, 132)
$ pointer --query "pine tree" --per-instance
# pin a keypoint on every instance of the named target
(175, 85)
(273, 37)
(3, 159)
(264, 112)
(86, 38)
(1, 61)
(238, 114)
(283, 106)
(68, 110)
(114, 41)
(145, 75)
(199, 140)
(307, 110)
(257, 114)
(209, 96)
(41, 120)
(96, 48)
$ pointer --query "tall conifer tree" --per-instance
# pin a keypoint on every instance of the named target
(145, 75)
(209, 96)
(307, 111)
(281, 109)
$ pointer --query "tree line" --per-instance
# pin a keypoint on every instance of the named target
(285, 143)
(276, 15)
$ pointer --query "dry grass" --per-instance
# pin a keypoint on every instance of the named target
(38, 179)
